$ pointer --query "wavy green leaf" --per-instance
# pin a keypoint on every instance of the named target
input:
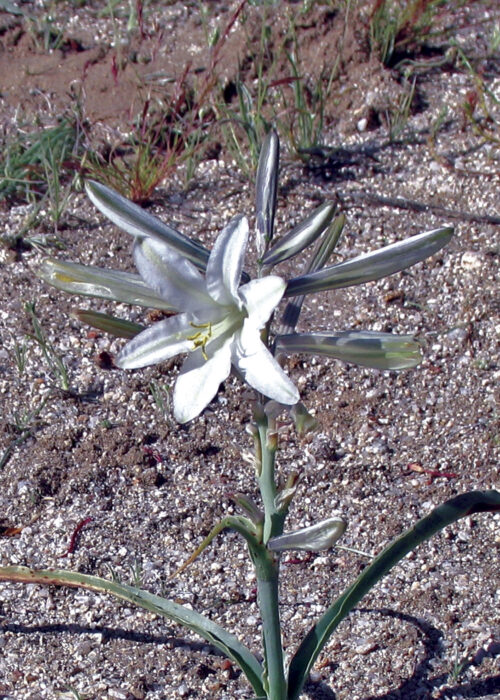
(210, 631)
(445, 514)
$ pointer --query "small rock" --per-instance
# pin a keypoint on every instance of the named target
(471, 260)
(118, 693)
(182, 690)
(366, 648)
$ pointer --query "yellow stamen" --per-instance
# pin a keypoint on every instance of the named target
(201, 339)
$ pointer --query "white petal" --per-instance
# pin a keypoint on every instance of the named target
(171, 275)
(137, 222)
(158, 343)
(261, 297)
(259, 368)
(199, 381)
(225, 265)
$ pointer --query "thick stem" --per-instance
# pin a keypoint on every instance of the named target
(268, 597)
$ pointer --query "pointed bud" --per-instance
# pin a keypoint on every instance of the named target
(266, 186)
(304, 421)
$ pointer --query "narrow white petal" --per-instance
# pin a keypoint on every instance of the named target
(367, 348)
(158, 343)
(225, 265)
(137, 222)
(261, 297)
(372, 266)
(259, 368)
(171, 275)
(99, 282)
(199, 381)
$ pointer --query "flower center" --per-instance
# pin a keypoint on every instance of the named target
(224, 327)
(201, 338)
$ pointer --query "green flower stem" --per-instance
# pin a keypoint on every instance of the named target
(273, 518)
(267, 563)
(267, 586)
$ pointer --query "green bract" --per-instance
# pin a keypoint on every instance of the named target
(314, 538)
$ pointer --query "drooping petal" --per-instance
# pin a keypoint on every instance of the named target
(372, 266)
(225, 265)
(171, 275)
(158, 343)
(92, 281)
(199, 381)
(134, 220)
(259, 368)
(260, 297)
(367, 348)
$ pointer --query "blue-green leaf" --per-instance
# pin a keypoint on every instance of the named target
(208, 630)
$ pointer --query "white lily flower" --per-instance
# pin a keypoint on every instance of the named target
(219, 324)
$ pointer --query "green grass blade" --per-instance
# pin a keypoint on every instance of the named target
(137, 222)
(210, 631)
(445, 514)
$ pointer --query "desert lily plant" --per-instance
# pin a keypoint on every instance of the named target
(222, 319)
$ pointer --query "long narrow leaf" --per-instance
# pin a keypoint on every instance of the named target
(118, 327)
(301, 235)
(366, 348)
(213, 633)
(372, 266)
(92, 281)
(266, 185)
(445, 514)
(134, 220)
